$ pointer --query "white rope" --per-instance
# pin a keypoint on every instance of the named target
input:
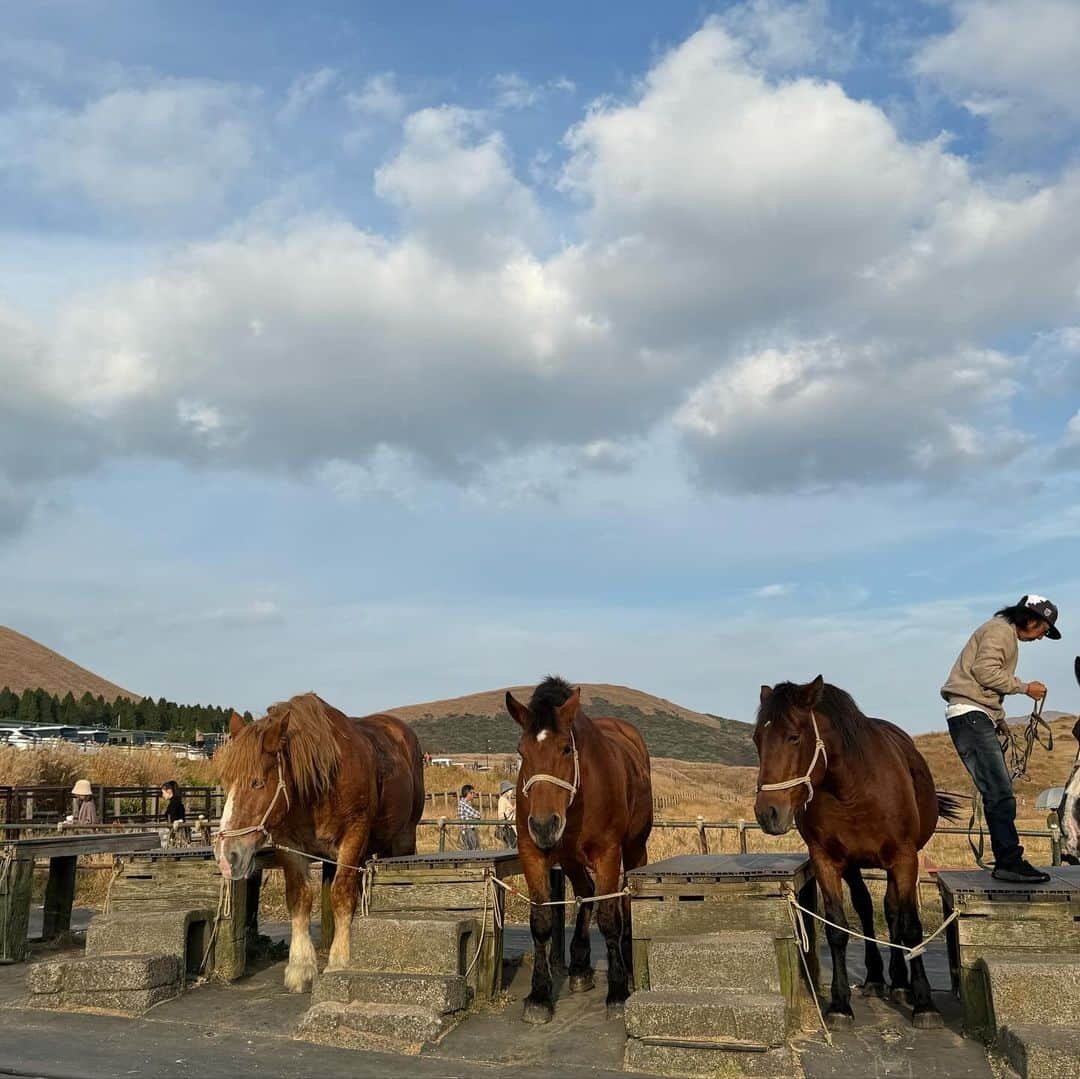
(576, 901)
(804, 938)
(798, 927)
(543, 777)
(819, 751)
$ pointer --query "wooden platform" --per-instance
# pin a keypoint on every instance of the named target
(998, 918)
(692, 894)
(451, 882)
(17, 859)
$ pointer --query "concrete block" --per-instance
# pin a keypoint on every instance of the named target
(710, 1063)
(428, 945)
(46, 977)
(440, 993)
(735, 960)
(1041, 988)
(751, 1020)
(99, 973)
(128, 1001)
(144, 932)
(1037, 1052)
(398, 1028)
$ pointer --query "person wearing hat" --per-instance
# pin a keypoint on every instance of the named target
(982, 676)
(86, 811)
(506, 833)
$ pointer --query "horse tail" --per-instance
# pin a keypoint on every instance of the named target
(949, 806)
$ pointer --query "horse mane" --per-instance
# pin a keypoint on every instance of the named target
(848, 720)
(547, 698)
(310, 752)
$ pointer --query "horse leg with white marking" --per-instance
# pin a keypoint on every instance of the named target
(301, 969)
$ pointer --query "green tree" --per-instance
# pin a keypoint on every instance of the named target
(27, 712)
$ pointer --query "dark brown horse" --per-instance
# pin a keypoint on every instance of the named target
(308, 777)
(861, 796)
(584, 801)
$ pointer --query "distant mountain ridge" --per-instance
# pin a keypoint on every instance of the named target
(479, 722)
(25, 664)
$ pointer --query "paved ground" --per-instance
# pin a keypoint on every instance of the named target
(245, 1029)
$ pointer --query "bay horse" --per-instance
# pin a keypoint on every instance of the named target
(307, 776)
(584, 802)
(861, 796)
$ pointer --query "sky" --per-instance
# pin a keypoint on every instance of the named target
(403, 351)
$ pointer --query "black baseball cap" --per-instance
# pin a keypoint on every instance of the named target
(1041, 606)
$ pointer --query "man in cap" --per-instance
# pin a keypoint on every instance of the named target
(982, 676)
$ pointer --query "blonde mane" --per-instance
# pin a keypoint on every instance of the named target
(310, 750)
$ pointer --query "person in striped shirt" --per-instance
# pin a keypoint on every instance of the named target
(467, 811)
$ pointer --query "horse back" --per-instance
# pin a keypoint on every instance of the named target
(398, 763)
(626, 744)
(922, 780)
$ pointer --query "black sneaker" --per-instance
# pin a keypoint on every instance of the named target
(1021, 872)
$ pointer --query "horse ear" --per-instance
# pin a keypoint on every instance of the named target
(810, 695)
(274, 736)
(766, 693)
(567, 712)
(236, 724)
(518, 712)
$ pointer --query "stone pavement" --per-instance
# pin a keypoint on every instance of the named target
(245, 1028)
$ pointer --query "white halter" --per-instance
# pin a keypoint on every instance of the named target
(230, 833)
(819, 751)
(543, 777)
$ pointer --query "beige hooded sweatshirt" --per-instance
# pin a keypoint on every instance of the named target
(985, 671)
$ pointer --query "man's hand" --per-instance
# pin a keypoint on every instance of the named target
(1003, 727)
(1035, 690)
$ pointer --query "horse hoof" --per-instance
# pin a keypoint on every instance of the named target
(615, 1009)
(873, 989)
(927, 1020)
(839, 1020)
(900, 994)
(581, 983)
(537, 1013)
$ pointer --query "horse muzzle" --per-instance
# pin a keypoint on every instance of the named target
(547, 831)
(236, 860)
(773, 819)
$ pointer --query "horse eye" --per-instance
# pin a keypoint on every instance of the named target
(257, 784)
(567, 750)
(793, 737)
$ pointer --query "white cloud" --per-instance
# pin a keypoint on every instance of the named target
(307, 89)
(774, 591)
(513, 91)
(786, 35)
(379, 98)
(1013, 62)
(170, 148)
(1067, 452)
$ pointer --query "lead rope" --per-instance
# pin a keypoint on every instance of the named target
(1019, 757)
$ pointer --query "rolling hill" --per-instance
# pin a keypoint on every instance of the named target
(480, 722)
(25, 664)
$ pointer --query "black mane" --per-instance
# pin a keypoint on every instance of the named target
(547, 698)
(849, 722)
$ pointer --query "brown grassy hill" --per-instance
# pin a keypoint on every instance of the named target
(479, 721)
(25, 664)
(1044, 770)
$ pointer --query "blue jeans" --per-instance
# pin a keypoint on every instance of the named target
(975, 737)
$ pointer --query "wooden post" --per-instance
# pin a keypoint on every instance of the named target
(1055, 838)
(16, 884)
(59, 896)
(702, 838)
(557, 884)
(742, 836)
(326, 913)
(116, 807)
(442, 835)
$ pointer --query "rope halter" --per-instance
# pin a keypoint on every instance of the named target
(819, 751)
(543, 777)
(231, 833)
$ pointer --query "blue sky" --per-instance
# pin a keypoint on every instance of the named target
(399, 352)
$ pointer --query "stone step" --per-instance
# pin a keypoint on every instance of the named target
(427, 945)
(123, 983)
(395, 1028)
(1038, 1052)
(731, 1019)
(733, 960)
(1041, 988)
(442, 993)
(142, 933)
(709, 1062)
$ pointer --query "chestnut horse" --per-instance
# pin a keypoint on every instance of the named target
(861, 796)
(308, 777)
(584, 801)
